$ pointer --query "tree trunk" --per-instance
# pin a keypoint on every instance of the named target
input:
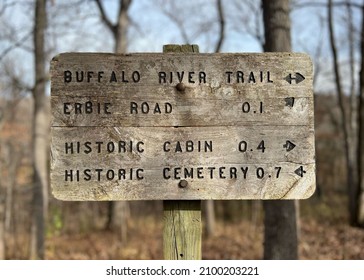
(210, 204)
(40, 136)
(2, 225)
(349, 144)
(118, 212)
(210, 217)
(280, 233)
(361, 132)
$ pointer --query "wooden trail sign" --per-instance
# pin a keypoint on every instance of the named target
(182, 126)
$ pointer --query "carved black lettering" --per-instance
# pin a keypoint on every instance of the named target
(110, 147)
(228, 76)
(166, 146)
(188, 173)
(139, 147)
(189, 146)
(177, 173)
(260, 173)
(251, 78)
(107, 108)
(68, 147)
(68, 175)
(168, 108)
(87, 173)
(208, 146)
(89, 76)
(135, 77)
(221, 172)
(162, 77)
(245, 171)
(239, 77)
(79, 76)
(180, 76)
(261, 146)
(78, 108)
(123, 78)
(278, 171)
(243, 146)
(88, 107)
(110, 174)
(268, 77)
(157, 110)
(139, 174)
(98, 171)
(122, 146)
(113, 78)
(100, 74)
(178, 147)
(144, 108)
(121, 174)
(166, 171)
(67, 76)
(211, 169)
(200, 173)
(190, 77)
(233, 171)
(245, 107)
(66, 109)
(202, 77)
(133, 108)
(88, 148)
(99, 144)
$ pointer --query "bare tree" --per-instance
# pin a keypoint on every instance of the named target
(40, 135)
(2, 224)
(361, 131)
(118, 211)
(349, 142)
(280, 233)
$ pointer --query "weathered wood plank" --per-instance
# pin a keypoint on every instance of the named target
(182, 230)
(217, 86)
(228, 182)
(159, 146)
(182, 227)
(205, 72)
(217, 162)
(231, 113)
(181, 111)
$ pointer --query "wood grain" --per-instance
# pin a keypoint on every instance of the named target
(262, 126)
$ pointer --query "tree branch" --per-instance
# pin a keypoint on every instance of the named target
(221, 25)
(17, 44)
(323, 5)
(104, 17)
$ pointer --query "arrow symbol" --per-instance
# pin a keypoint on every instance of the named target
(289, 146)
(299, 171)
(298, 78)
(289, 101)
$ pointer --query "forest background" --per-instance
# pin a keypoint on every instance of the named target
(33, 225)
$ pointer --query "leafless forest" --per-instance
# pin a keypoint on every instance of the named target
(34, 225)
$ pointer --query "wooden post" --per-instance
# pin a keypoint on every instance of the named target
(182, 218)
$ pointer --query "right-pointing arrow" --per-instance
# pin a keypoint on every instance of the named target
(289, 146)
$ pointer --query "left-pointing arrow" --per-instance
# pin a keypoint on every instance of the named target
(298, 78)
(299, 171)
